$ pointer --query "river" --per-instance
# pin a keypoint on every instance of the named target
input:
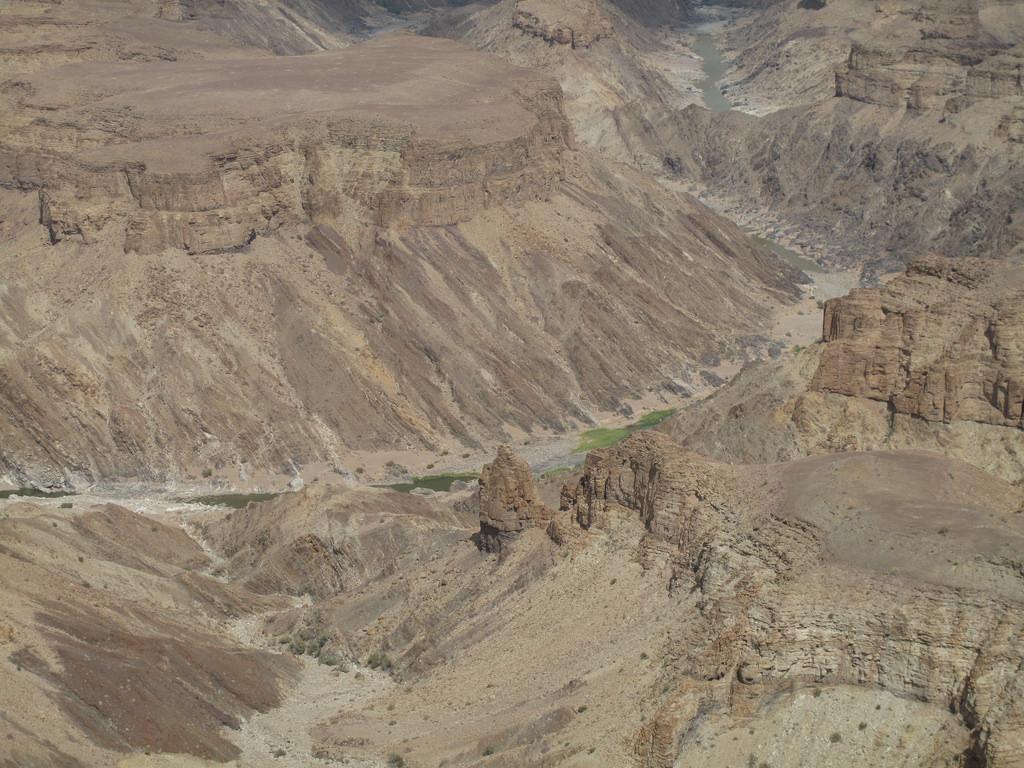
(714, 66)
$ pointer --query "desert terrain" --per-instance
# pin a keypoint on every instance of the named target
(407, 383)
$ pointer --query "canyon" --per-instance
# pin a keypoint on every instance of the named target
(511, 383)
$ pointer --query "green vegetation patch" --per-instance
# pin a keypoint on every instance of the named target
(547, 474)
(233, 500)
(434, 482)
(35, 493)
(602, 437)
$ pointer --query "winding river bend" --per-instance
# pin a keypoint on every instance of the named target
(714, 66)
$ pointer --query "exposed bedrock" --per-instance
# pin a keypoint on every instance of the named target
(932, 360)
(943, 343)
(885, 130)
(508, 501)
(266, 262)
(927, 77)
(804, 577)
(246, 163)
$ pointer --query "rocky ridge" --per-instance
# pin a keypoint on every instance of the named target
(757, 570)
(271, 251)
(716, 598)
(932, 360)
(508, 501)
(903, 120)
(574, 25)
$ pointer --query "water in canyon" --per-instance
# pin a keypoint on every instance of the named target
(714, 66)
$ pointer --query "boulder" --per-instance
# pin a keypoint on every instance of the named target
(508, 501)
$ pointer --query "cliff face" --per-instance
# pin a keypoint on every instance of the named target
(791, 591)
(246, 262)
(885, 130)
(575, 24)
(933, 360)
(940, 76)
(259, 163)
(940, 344)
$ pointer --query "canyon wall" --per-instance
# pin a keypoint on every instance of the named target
(791, 592)
(932, 360)
(237, 263)
(882, 132)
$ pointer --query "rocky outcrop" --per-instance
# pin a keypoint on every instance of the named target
(253, 169)
(943, 343)
(508, 501)
(929, 76)
(793, 594)
(932, 360)
(576, 24)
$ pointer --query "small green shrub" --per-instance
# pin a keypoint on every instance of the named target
(66, 505)
(207, 472)
(836, 737)
(379, 661)
(396, 761)
(488, 751)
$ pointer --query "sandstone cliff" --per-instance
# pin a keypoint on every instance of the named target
(508, 501)
(885, 130)
(932, 360)
(261, 263)
(942, 344)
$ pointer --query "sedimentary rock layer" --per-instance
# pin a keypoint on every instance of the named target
(351, 138)
(792, 590)
(932, 360)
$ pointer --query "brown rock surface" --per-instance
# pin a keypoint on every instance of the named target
(942, 343)
(258, 263)
(324, 541)
(932, 360)
(700, 610)
(577, 24)
(508, 500)
(113, 632)
(351, 137)
(799, 589)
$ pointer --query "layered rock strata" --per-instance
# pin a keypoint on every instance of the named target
(792, 593)
(882, 131)
(932, 360)
(508, 501)
(256, 163)
(577, 25)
